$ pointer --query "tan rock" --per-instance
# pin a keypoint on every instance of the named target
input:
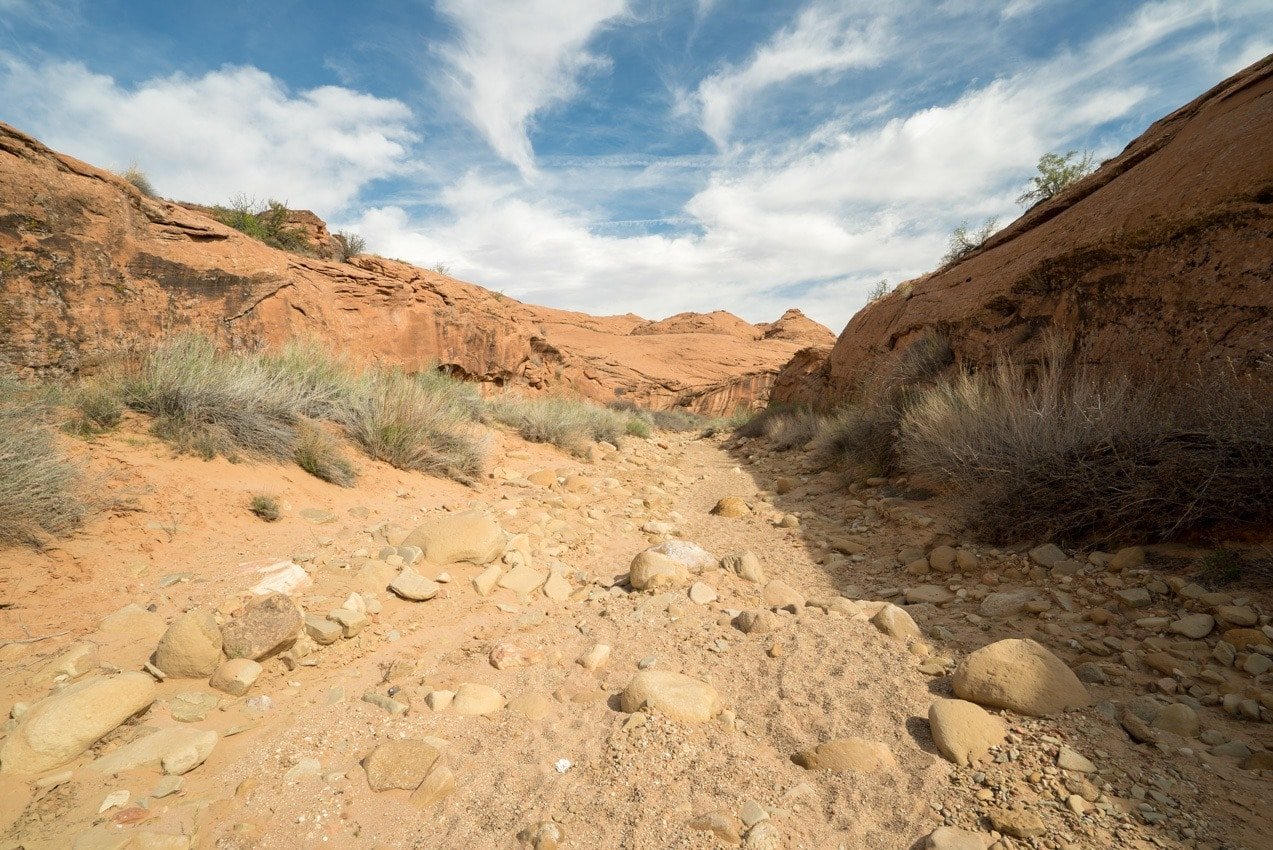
(401, 763)
(485, 582)
(746, 566)
(654, 571)
(942, 559)
(474, 699)
(236, 676)
(596, 657)
(731, 507)
(896, 623)
(267, 626)
(557, 588)
(530, 705)
(191, 646)
(1129, 558)
(471, 536)
(675, 695)
(702, 593)
(438, 783)
(412, 586)
(1017, 824)
(779, 594)
(1020, 675)
(505, 655)
(847, 754)
(523, 579)
(177, 750)
(950, 838)
(963, 731)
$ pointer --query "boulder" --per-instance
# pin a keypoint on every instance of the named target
(58, 728)
(471, 536)
(896, 623)
(731, 507)
(847, 754)
(1022, 676)
(267, 626)
(191, 646)
(402, 763)
(653, 571)
(779, 594)
(473, 699)
(963, 731)
(746, 566)
(235, 676)
(176, 749)
(675, 695)
(693, 557)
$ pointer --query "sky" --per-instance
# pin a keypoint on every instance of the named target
(612, 156)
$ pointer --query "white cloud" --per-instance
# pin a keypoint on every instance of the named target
(517, 57)
(207, 138)
(820, 40)
(1019, 8)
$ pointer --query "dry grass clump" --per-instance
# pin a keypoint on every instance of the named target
(784, 427)
(96, 407)
(1058, 452)
(323, 456)
(265, 507)
(39, 487)
(567, 423)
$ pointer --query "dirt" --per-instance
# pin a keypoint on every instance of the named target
(604, 779)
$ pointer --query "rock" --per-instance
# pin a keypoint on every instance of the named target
(1178, 718)
(485, 582)
(439, 700)
(74, 662)
(1194, 625)
(950, 838)
(138, 622)
(351, 622)
(789, 521)
(236, 676)
(896, 623)
(756, 622)
(1020, 675)
(177, 750)
(763, 836)
(1006, 604)
(675, 695)
(731, 507)
(557, 588)
(412, 586)
(523, 579)
(653, 571)
(191, 646)
(543, 477)
(746, 566)
(1243, 639)
(438, 783)
(722, 824)
(504, 656)
(1237, 615)
(702, 593)
(1259, 760)
(595, 658)
(59, 727)
(932, 594)
(784, 485)
(192, 706)
(400, 764)
(473, 699)
(530, 705)
(472, 536)
(322, 630)
(693, 557)
(779, 594)
(1017, 824)
(268, 625)
(964, 732)
(1048, 555)
(1126, 559)
(1068, 759)
(544, 835)
(847, 754)
(1134, 597)
(389, 704)
(1257, 664)
(1136, 728)
(942, 559)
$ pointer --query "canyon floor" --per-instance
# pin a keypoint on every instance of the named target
(555, 760)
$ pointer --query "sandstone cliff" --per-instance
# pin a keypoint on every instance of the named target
(90, 268)
(1162, 258)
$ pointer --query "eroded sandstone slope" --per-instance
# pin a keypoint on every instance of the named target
(90, 268)
(1162, 258)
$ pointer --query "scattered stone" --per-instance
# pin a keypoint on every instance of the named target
(896, 623)
(557, 588)
(847, 754)
(1136, 728)
(653, 571)
(789, 521)
(731, 507)
(350, 622)
(1005, 604)
(1020, 675)
(472, 536)
(679, 697)
(1068, 759)
(474, 699)
(1194, 626)
(1048, 556)
(439, 700)
(544, 835)
(485, 582)
(412, 586)
(1134, 597)
(1244, 639)
(950, 838)
(322, 630)
(963, 731)
(596, 657)
(702, 593)
(932, 594)
(1129, 558)
(401, 764)
(389, 704)
(1237, 615)
(778, 594)
(763, 836)
(722, 824)
(191, 646)
(1257, 664)
(267, 626)
(177, 750)
(756, 622)
(530, 705)
(1260, 760)
(746, 566)
(192, 706)
(523, 579)
(504, 656)
(60, 727)
(942, 559)
(1177, 718)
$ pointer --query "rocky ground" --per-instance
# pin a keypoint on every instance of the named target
(681, 642)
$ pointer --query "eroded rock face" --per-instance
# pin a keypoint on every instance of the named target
(1160, 257)
(127, 268)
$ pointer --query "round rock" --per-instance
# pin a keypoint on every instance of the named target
(1020, 675)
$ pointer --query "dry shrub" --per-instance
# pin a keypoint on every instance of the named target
(1059, 452)
(784, 427)
(570, 424)
(39, 487)
(265, 507)
(322, 456)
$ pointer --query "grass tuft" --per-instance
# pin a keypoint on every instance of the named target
(569, 424)
(322, 456)
(265, 507)
(39, 487)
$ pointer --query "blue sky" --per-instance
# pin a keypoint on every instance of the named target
(650, 156)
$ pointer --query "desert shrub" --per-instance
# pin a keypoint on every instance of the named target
(877, 291)
(570, 424)
(322, 456)
(397, 419)
(140, 181)
(351, 245)
(39, 487)
(785, 427)
(638, 427)
(96, 407)
(964, 240)
(1060, 452)
(1056, 173)
(265, 222)
(265, 507)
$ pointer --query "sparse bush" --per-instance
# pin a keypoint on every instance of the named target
(321, 455)
(637, 427)
(1060, 452)
(96, 407)
(877, 291)
(264, 222)
(1056, 173)
(351, 245)
(39, 487)
(442, 268)
(265, 507)
(140, 181)
(964, 240)
(567, 423)
(784, 427)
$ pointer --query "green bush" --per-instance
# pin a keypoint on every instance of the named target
(96, 407)
(40, 489)
(570, 424)
(964, 240)
(1056, 173)
(265, 507)
(264, 222)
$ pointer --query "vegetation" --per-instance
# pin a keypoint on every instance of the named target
(878, 290)
(786, 427)
(351, 245)
(567, 423)
(140, 181)
(322, 456)
(266, 222)
(95, 408)
(265, 507)
(40, 491)
(1056, 173)
(965, 240)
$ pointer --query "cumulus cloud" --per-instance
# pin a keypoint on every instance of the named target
(821, 40)
(205, 138)
(515, 58)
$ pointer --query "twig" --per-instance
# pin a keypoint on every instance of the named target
(34, 639)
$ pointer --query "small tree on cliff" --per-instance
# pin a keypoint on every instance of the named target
(1057, 172)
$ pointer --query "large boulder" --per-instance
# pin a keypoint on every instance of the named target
(267, 626)
(1022, 676)
(653, 571)
(963, 731)
(471, 536)
(674, 695)
(191, 646)
(60, 727)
